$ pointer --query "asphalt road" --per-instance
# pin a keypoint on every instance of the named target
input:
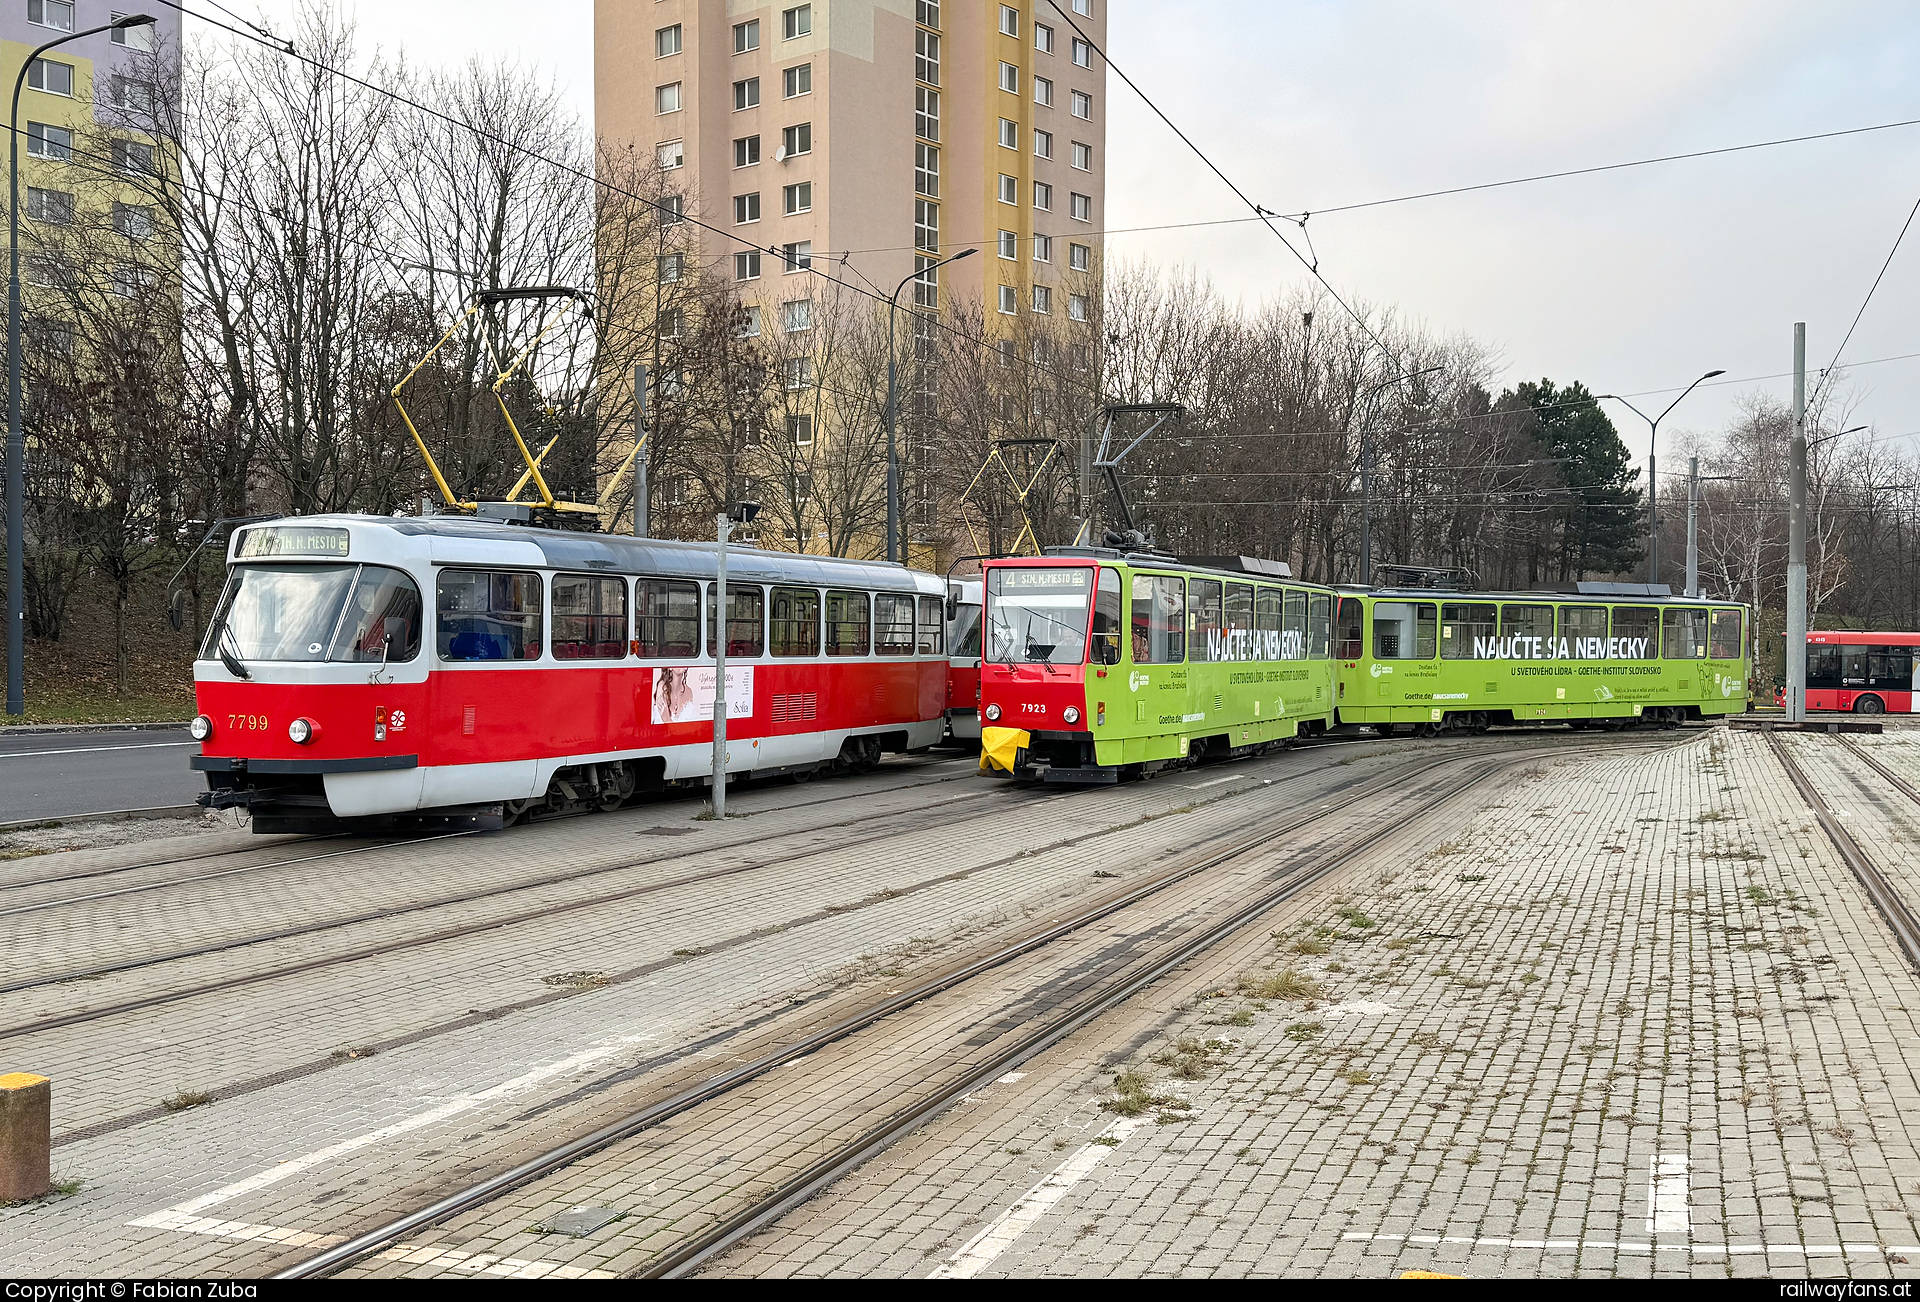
(61, 774)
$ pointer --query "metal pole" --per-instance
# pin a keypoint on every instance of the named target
(1086, 479)
(1653, 505)
(1366, 502)
(893, 461)
(1797, 536)
(1693, 535)
(720, 677)
(640, 486)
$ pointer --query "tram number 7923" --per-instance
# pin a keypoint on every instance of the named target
(1030, 708)
(247, 722)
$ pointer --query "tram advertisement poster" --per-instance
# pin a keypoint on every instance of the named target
(686, 695)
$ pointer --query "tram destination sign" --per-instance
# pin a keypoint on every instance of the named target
(291, 540)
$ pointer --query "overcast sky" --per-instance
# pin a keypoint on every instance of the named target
(1630, 281)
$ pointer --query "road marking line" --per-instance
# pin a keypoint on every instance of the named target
(411, 1253)
(980, 1251)
(88, 750)
(1667, 1195)
(1202, 786)
(1615, 1245)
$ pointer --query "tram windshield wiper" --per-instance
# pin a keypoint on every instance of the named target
(231, 659)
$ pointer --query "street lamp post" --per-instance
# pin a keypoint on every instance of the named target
(1653, 497)
(1366, 471)
(894, 549)
(16, 433)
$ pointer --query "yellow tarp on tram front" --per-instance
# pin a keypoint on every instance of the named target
(1000, 747)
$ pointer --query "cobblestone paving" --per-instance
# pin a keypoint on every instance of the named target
(1636, 1018)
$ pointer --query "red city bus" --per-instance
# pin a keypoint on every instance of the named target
(1866, 673)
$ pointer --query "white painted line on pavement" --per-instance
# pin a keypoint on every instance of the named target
(980, 1251)
(88, 750)
(1202, 786)
(1615, 1245)
(1667, 1195)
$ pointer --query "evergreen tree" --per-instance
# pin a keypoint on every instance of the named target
(1598, 523)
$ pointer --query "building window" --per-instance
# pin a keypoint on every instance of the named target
(1009, 300)
(672, 209)
(1043, 248)
(928, 12)
(132, 157)
(53, 77)
(1009, 78)
(797, 81)
(750, 316)
(1077, 306)
(800, 434)
(131, 94)
(926, 113)
(1083, 156)
(672, 324)
(666, 99)
(798, 256)
(926, 170)
(1043, 92)
(1081, 207)
(666, 41)
(926, 225)
(1009, 134)
(1009, 20)
(1080, 257)
(671, 155)
(746, 266)
(1043, 38)
(796, 22)
(797, 198)
(1042, 299)
(1082, 105)
(746, 151)
(926, 57)
(746, 93)
(746, 36)
(1082, 53)
(799, 372)
(42, 270)
(1009, 188)
(1003, 352)
(1009, 245)
(57, 14)
(54, 207)
(746, 208)
(1042, 143)
(1043, 196)
(672, 267)
(797, 140)
(133, 38)
(1083, 7)
(135, 280)
(796, 315)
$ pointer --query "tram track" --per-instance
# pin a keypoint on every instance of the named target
(1062, 1018)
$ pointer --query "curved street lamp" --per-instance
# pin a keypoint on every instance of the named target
(16, 434)
(895, 551)
(1653, 499)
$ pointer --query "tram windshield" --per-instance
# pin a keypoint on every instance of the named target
(317, 612)
(1037, 614)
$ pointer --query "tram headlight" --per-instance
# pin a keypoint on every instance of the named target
(1070, 714)
(201, 728)
(302, 731)
(993, 713)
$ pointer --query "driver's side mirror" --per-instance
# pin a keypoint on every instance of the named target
(1107, 651)
(177, 608)
(953, 607)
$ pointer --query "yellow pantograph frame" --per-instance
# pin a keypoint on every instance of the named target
(1026, 537)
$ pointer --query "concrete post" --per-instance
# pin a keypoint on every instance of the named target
(1693, 534)
(641, 524)
(26, 1136)
(724, 525)
(1797, 536)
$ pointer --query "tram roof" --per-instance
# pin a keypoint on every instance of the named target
(1612, 594)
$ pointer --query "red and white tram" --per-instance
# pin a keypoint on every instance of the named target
(963, 659)
(466, 672)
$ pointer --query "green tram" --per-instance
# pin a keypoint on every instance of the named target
(1098, 663)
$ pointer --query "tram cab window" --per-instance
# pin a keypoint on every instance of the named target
(1726, 642)
(933, 625)
(294, 612)
(666, 624)
(1159, 620)
(1526, 621)
(1684, 634)
(893, 619)
(1038, 614)
(963, 634)
(1293, 626)
(1108, 620)
(1639, 627)
(1823, 666)
(488, 615)
(1350, 630)
(1319, 626)
(795, 622)
(847, 623)
(1206, 619)
(1239, 607)
(1404, 630)
(1583, 624)
(589, 617)
(746, 626)
(1465, 629)
(382, 619)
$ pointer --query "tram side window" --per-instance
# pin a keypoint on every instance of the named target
(1319, 626)
(1267, 603)
(488, 615)
(589, 617)
(1726, 642)
(1108, 620)
(1159, 620)
(666, 622)
(893, 617)
(1584, 625)
(746, 606)
(1207, 621)
(1350, 638)
(382, 620)
(1404, 630)
(1239, 644)
(1823, 666)
(846, 623)
(1526, 621)
(933, 625)
(795, 624)
(1465, 629)
(1638, 627)
(1684, 634)
(1293, 626)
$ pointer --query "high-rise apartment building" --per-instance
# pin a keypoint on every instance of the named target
(897, 131)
